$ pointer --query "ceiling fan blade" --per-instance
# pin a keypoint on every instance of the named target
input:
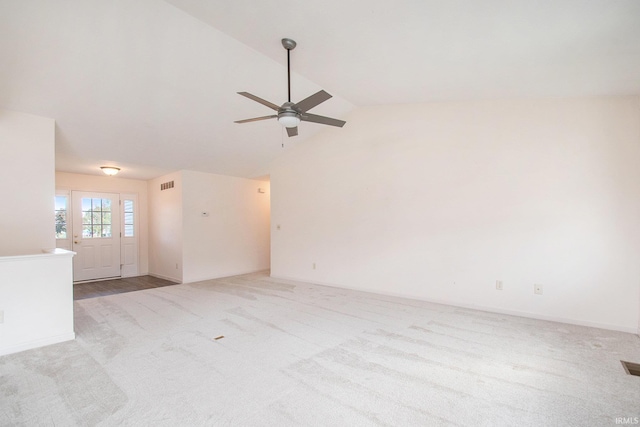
(260, 100)
(306, 117)
(313, 100)
(292, 131)
(255, 119)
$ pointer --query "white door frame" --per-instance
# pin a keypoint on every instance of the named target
(129, 245)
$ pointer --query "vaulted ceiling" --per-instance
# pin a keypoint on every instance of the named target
(150, 85)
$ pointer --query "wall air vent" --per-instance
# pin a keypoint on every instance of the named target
(166, 185)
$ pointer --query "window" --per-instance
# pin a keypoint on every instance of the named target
(61, 204)
(96, 218)
(128, 218)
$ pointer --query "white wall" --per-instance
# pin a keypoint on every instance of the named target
(36, 296)
(36, 300)
(234, 238)
(438, 201)
(27, 150)
(185, 246)
(165, 228)
(112, 184)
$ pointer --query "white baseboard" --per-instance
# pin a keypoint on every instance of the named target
(160, 276)
(37, 343)
(498, 310)
(227, 274)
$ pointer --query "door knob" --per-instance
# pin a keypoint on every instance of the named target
(76, 242)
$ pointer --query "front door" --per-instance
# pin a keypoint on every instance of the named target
(96, 235)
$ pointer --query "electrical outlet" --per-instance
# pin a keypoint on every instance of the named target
(537, 289)
(499, 285)
(177, 266)
(314, 265)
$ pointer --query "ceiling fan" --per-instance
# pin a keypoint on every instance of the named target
(290, 114)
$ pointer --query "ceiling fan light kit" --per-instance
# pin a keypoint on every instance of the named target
(291, 114)
(289, 119)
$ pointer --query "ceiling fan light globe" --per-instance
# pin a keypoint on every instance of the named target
(289, 121)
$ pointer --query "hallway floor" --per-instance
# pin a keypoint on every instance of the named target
(117, 286)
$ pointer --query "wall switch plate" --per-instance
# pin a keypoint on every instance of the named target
(499, 285)
(314, 265)
(537, 289)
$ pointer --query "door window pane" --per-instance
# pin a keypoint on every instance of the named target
(128, 218)
(61, 216)
(96, 218)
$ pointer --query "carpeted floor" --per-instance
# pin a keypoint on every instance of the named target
(301, 354)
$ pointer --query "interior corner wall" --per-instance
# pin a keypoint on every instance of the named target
(27, 176)
(226, 226)
(112, 184)
(438, 201)
(165, 227)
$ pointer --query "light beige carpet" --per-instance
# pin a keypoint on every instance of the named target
(301, 354)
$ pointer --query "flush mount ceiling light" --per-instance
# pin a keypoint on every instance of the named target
(110, 170)
(291, 114)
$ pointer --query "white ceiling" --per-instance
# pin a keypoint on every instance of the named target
(150, 85)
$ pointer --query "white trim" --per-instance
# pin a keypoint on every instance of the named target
(227, 274)
(518, 313)
(160, 276)
(38, 343)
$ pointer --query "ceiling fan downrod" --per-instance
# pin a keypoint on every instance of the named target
(289, 45)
